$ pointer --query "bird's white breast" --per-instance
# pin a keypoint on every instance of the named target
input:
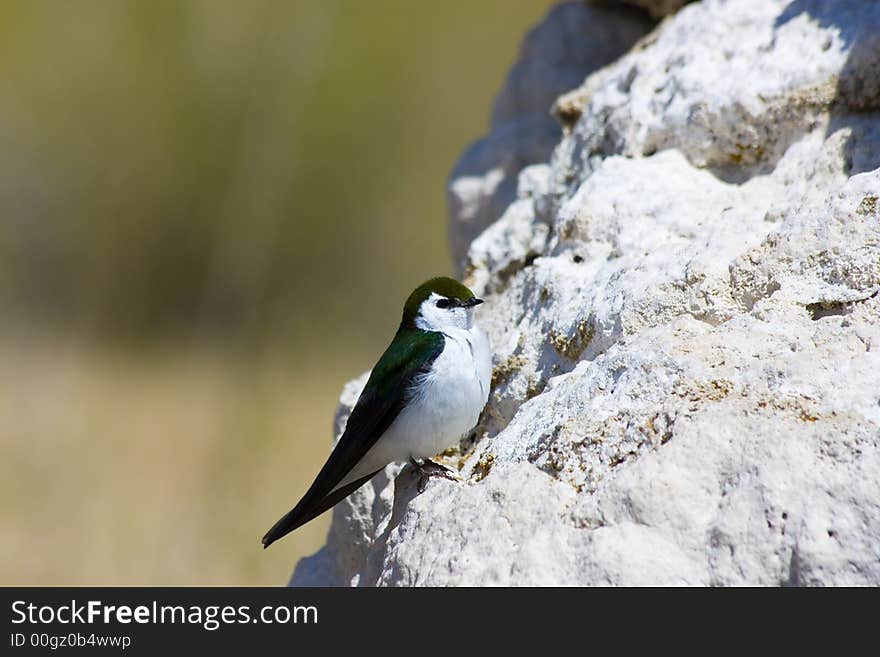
(444, 404)
(449, 398)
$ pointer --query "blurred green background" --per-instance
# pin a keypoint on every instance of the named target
(210, 215)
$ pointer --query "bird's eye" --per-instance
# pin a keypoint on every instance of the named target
(443, 303)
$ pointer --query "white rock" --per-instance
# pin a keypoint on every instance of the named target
(571, 42)
(729, 84)
(685, 308)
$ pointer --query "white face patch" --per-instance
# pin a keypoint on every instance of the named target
(435, 318)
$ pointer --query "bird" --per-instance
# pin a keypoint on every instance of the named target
(424, 394)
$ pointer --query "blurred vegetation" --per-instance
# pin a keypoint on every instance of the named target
(210, 214)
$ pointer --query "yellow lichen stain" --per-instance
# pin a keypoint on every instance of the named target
(484, 466)
(818, 96)
(568, 113)
(790, 406)
(536, 387)
(568, 230)
(503, 370)
(573, 347)
(747, 153)
(569, 107)
(720, 389)
(714, 390)
(868, 206)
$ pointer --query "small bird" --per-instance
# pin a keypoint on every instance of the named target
(426, 392)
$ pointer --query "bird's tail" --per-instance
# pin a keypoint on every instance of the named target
(308, 509)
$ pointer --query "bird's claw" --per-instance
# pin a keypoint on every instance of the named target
(428, 468)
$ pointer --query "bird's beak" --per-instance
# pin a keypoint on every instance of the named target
(473, 302)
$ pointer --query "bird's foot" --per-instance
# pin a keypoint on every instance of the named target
(428, 468)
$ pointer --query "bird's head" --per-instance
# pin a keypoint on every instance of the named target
(438, 304)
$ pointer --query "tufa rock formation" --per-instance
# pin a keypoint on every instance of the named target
(684, 303)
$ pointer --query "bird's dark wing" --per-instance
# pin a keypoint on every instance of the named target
(411, 352)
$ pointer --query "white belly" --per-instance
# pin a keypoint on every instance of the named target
(445, 405)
